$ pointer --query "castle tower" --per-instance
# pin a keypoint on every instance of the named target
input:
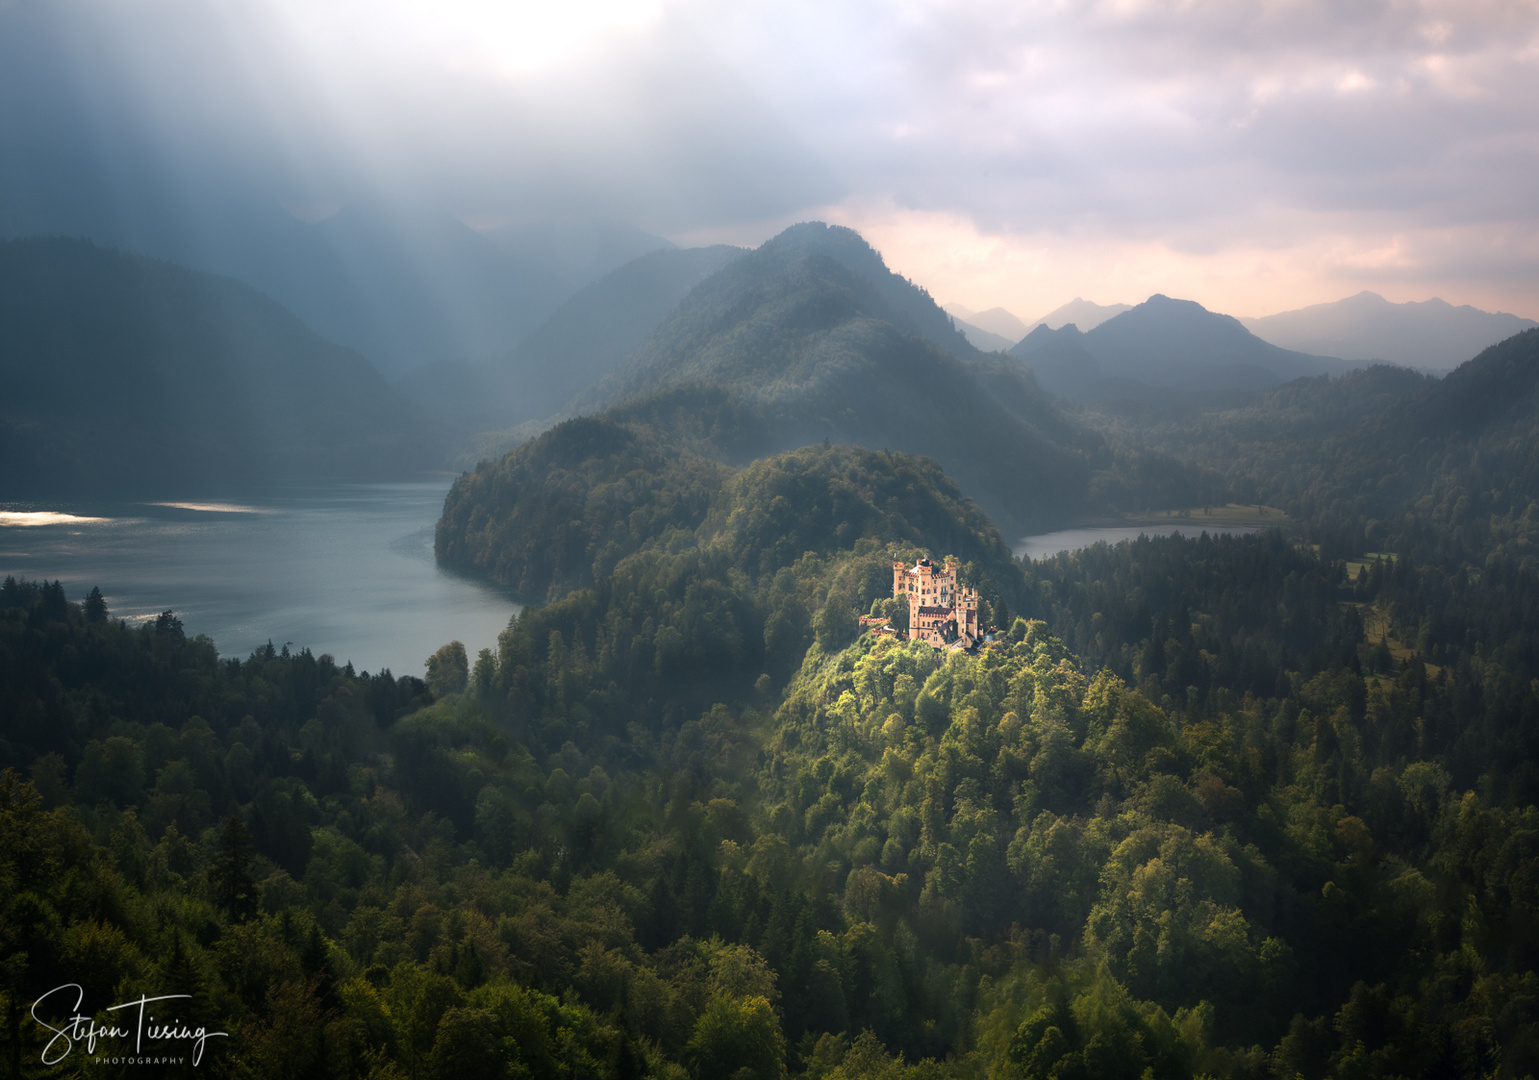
(940, 610)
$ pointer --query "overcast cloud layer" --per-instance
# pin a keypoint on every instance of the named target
(1254, 157)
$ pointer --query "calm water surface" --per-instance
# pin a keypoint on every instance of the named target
(345, 569)
(1047, 545)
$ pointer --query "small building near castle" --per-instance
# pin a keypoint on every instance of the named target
(940, 611)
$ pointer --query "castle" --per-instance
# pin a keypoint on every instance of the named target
(940, 611)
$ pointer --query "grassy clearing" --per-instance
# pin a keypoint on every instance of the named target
(1356, 566)
(1377, 627)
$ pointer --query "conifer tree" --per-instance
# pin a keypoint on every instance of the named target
(229, 871)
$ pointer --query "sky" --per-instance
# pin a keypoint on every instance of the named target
(1255, 157)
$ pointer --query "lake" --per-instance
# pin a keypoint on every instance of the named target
(1047, 545)
(345, 569)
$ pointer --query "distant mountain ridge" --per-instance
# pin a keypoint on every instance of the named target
(1431, 334)
(584, 340)
(1165, 346)
(579, 251)
(124, 373)
(981, 339)
(1082, 313)
(996, 321)
(808, 280)
(816, 334)
(1382, 450)
(406, 286)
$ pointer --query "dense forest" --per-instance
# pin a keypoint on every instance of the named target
(1383, 459)
(1258, 807)
(1233, 806)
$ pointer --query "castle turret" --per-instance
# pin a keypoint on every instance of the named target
(940, 610)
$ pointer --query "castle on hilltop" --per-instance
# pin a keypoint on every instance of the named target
(940, 611)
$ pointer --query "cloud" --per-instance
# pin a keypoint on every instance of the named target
(1348, 144)
(308, 103)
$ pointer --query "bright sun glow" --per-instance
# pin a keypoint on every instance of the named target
(213, 508)
(29, 518)
(520, 38)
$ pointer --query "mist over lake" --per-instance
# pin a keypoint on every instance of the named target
(345, 569)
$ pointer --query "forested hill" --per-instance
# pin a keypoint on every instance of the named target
(759, 322)
(1237, 811)
(687, 823)
(824, 343)
(125, 374)
(1360, 453)
(562, 511)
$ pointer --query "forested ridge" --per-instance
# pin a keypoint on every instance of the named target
(1216, 807)
(1252, 807)
(820, 341)
(1383, 459)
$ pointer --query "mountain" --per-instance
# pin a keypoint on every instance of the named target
(1062, 364)
(404, 289)
(1387, 458)
(759, 323)
(981, 339)
(405, 286)
(129, 373)
(995, 320)
(1433, 334)
(1165, 346)
(594, 331)
(1082, 313)
(578, 250)
(585, 339)
(825, 342)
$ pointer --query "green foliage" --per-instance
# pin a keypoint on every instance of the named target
(737, 1037)
(1226, 811)
(789, 549)
(1441, 471)
(229, 872)
(448, 670)
(820, 341)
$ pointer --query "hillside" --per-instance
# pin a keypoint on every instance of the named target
(817, 335)
(592, 333)
(561, 511)
(1165, 345)
(995, 320)
(687, 822)
(130, 374)
(1362, 451)
(1433, 334)
(577, 250)
(981, 339)
(405, 285)
(584, 340)
(1084, 314)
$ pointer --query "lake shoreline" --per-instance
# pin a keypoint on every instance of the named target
(1062, 541)
(346, 569)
